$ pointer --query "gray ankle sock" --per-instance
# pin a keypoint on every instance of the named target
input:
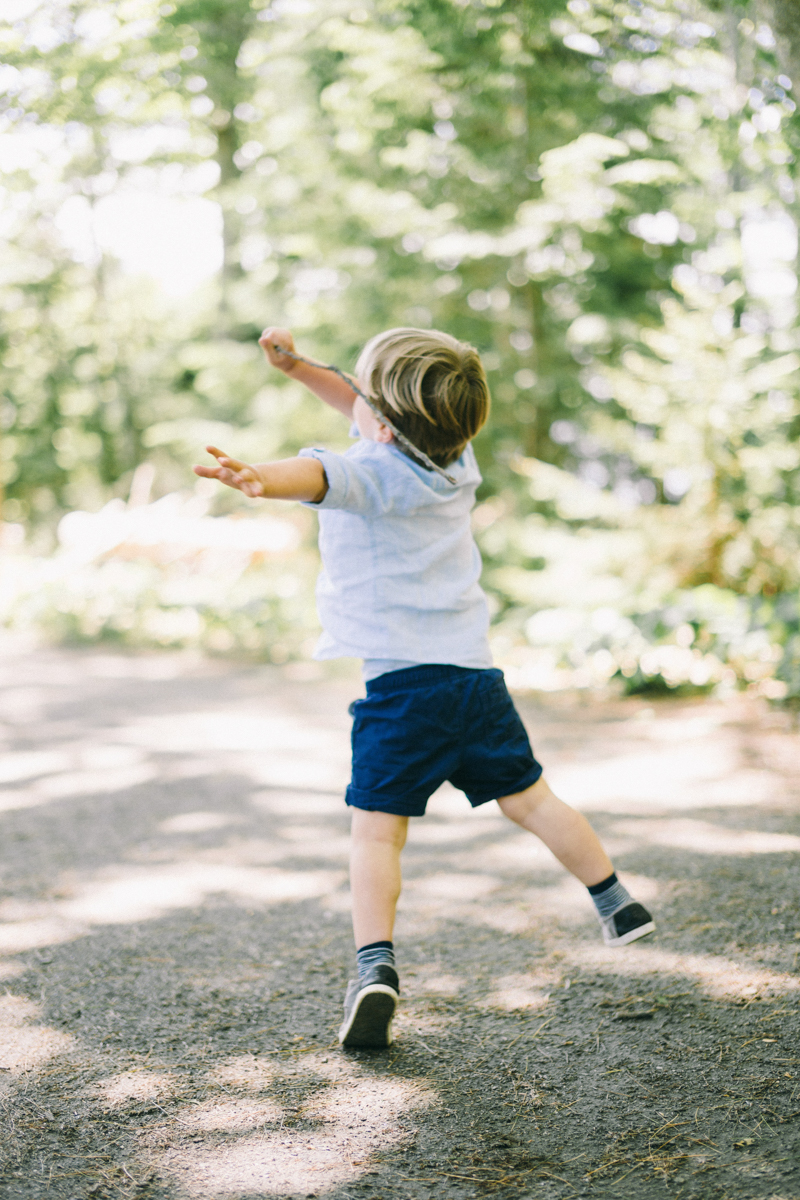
(609, 896)
(373, 954)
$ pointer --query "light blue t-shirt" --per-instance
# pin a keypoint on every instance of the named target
(399, 584)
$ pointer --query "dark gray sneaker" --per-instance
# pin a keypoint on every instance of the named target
(369, 1006)
(628, 923)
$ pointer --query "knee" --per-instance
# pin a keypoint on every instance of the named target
(522, 805)
(387, 828)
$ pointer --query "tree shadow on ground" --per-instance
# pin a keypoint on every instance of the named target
(176, 949)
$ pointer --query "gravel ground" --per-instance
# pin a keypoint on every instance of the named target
(174, 946)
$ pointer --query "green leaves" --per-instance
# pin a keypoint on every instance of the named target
(598, 195)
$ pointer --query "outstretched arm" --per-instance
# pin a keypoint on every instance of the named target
(287, 479)
(322, 383)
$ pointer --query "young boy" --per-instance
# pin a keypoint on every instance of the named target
(399, 589)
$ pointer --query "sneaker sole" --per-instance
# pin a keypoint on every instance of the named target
(369, 1025)
(632, 935)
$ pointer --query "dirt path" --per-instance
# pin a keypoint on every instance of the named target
(174, 945)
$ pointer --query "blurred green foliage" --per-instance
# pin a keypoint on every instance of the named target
(599, 195)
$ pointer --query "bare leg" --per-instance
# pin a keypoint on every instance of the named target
(564, 831)
(377, 839)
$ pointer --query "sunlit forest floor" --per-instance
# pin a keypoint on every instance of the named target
(175, 945)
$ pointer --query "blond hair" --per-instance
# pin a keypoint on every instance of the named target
(430, 385)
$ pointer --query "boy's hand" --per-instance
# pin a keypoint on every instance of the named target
(273, 337)
(235, 474)
(298, 478)
(317, 377)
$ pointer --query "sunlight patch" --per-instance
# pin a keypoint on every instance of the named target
(276, 1165)
(360, 1118)
(244, 851)
(22, 1045)
(370, 1102)
(449, 802)
(441, 985)
(57, 783)
(275, 750)
(410, 1021)
(234, 1115)
(15, 798)
(151, 667)
(247, 1072)
(567, 899)
(505, 918)
(143, 895)
(643, 887)
(94, 782)
(422, 918)
(719, 977)
(515, 852)
(19, 936)
(685, 727)
(133, 1085)
(513, 998)
(317, 841)
(701, 837)
(697, 774)
(15, 767)
(440, 832)
(531, 990)
(328, 1064)
(195, 822)
(123, 894)
(296, 804)
(453, 885)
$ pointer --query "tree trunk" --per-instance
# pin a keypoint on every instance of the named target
(786, 26)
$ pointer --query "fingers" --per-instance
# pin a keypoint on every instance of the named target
(272, 341)
(232, 473)
(275, 336)
(225, 460)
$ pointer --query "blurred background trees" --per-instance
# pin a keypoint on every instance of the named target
(599, 195)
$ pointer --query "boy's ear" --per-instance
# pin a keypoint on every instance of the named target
(384, 435)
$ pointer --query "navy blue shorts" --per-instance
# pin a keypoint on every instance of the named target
(422, 725)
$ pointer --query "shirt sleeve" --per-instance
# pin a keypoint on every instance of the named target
(352, 486)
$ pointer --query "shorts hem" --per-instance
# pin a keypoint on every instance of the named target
(403, 807)
(528, 780)
(370, 802)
